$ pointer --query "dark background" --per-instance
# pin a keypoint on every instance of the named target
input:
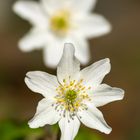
(122, 46)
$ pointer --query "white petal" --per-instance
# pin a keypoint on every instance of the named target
(42, 83)
(92, 25)
(93, 118)
(52, 53)
(51, 6)
(105, 94)
(83, 5)
(45, 114)
(69, 129)
(82, 52)
(94, 74)
(30, 11)
(33, 40)
(68, 66)
(75, 6)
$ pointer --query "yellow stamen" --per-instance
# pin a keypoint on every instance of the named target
(71, 95)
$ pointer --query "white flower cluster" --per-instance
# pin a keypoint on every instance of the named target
(73, 95)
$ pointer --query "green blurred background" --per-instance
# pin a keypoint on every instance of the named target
(122, 46)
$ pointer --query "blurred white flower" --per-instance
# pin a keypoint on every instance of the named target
(73, 95)
(56, 22)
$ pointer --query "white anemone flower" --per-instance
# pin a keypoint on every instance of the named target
(55, 22)
(73, 96)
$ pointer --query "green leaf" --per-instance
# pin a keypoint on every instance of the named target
(11, 130)
(85, 133)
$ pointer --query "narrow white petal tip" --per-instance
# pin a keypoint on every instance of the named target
(107, 60)
(69, 46)
(15, 6)
(26, 80)
(24, 48)
(28, 74)
(18, 6)
(31, 73)
(109, 27)
(108, 131)
(31, 125)
(121, 91)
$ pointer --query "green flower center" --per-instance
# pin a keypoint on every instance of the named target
(60, 22)
(70, 96)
